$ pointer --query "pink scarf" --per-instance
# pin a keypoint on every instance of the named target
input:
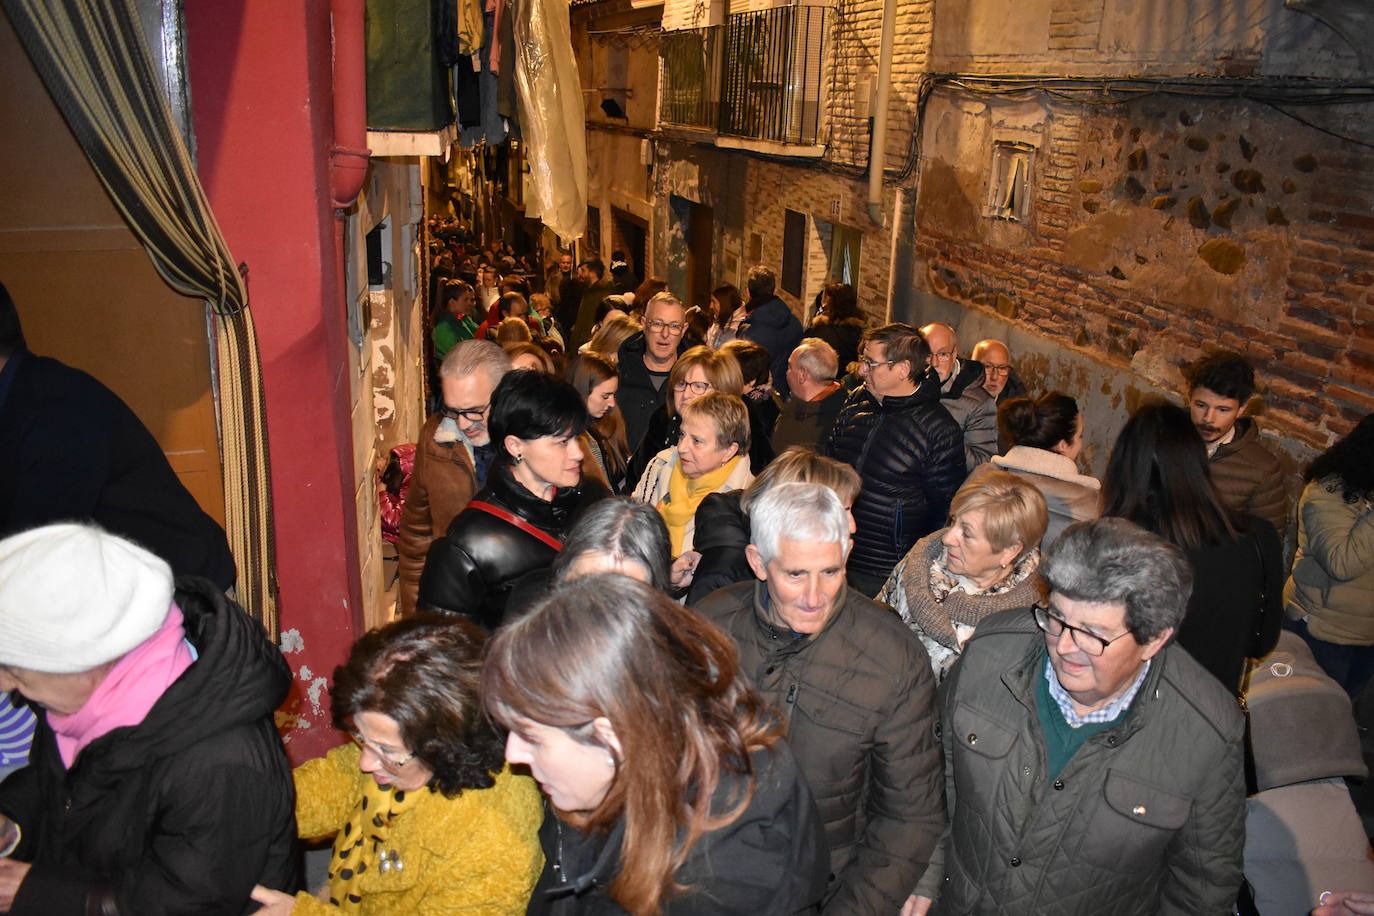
(128, 692)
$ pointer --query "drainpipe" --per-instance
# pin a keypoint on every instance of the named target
(348, 154)
(877, 151)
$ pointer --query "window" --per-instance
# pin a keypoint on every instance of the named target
(1009, 184)
(773, 74)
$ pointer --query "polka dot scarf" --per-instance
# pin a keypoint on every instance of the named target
(362, 844)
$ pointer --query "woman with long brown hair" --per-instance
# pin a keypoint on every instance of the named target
(604, 449)
(671, 786)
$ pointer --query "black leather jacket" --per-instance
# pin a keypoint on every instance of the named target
(472, 569)
(910, 453)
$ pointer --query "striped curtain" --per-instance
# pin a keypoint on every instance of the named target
(95, 64)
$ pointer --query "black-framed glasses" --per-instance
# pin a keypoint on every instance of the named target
(698, 388)
(387, 759)
(672, 327)
(1054, 626)
(997, 368)
(871, 364)
(472, 415)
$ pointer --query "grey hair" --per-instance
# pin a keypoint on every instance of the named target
(798, 512)
(623, 529)
(1113, 561)
(471, 356)
(818, 358)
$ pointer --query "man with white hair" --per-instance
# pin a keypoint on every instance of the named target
(817, 395)
(157, 783)
(451, 457)
(856, 688)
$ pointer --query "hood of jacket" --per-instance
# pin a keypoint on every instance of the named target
(770, 312)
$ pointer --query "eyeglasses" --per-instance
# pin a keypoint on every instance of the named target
(1055, 626)
(871, 364)
(673, 328)
(994, 369)
(698, 388)
(472, 415)
(386, 759)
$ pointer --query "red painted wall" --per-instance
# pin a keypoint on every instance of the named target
(261, 96)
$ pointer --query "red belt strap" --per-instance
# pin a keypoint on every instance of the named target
(517, 521)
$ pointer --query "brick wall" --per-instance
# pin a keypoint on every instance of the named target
(854, 57)
(1168, 227)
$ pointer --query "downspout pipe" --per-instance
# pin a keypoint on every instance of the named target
(348, 154)
(878, 147)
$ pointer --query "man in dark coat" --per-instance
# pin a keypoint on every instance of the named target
(770, 324)
(645, 359)
(855, 687)
(596, 287)
(817, 396)
(962, 393)
(906, 447)
(157, 784)
(1091, 766)
(71, 449)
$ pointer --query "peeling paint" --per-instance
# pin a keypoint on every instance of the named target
(305, 673)
(292, 642)
(316, 693)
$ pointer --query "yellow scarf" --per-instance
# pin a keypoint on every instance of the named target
(679, 507)
(362, 844)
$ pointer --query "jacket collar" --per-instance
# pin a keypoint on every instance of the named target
(1019, 679)
(1246, 430)
(1045, 463)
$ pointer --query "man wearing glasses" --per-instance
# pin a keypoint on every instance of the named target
(906, 447)
(645, 360)
(1090, 765)
(452, 456)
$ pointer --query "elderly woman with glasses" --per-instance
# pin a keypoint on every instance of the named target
(987, 559)
(698, 371)
(424, 815)
(711, 457)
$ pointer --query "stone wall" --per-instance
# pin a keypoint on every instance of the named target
(1164, 228)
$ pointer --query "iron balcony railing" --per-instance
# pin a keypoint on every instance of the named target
(758, 76)
(690, 83)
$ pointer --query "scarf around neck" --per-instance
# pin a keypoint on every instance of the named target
(364, 841)
(679, 507)
(128, 692)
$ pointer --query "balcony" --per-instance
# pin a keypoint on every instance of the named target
(756, 81)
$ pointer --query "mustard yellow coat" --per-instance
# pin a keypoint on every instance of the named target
(475, 854)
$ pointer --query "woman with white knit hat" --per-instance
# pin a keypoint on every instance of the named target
(157, 781)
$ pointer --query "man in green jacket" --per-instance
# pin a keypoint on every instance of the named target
(1090, 766)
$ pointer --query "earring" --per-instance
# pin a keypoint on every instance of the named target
(610, 761)
(519, 458)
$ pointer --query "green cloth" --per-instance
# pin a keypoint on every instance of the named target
(450, 330)
(1062, 740)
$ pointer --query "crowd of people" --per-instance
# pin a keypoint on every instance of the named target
(704, 610)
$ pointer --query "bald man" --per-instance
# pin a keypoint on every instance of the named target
(962, 393)
(1001, 380)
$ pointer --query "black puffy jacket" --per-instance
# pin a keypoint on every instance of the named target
(910, 453)
(722, 533)
(472, 569)
(637, 397)
(182, 813)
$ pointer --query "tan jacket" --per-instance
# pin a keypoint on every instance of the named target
(441, 486)
(1333, 574)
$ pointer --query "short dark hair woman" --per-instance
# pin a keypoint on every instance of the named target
(839, 322)
(728, 307)
(1331, 591)
(673, 787)
(422, 790)
(1157, 477)
(534, 494)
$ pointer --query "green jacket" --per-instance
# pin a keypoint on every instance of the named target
(449, 331)
(1148, 817)
(1333, 573)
